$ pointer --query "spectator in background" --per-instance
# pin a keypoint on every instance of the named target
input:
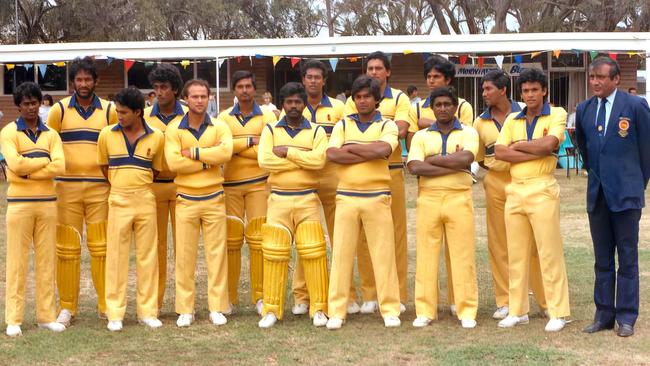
(571, 120)
(44, 109)
(151, 100)
(212, 107)
(632, 91)
(343, 96)
(412, 92)
(268, 105)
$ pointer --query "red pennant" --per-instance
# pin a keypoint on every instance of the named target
(480, 61)
(238, 59)
(462, 59)
(612, 55)
(294, 61)
(128, 64)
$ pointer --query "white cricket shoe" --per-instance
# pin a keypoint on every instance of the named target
(468, 323)
(334, 323)
(185, 320)
(53, 326)
(13, 331)
(421, 322)
(320, 320)
(218, 318)
(152, 323)
(268, 320)
(392, 322)
(353, 307)
(369, 307)
(452, 309)
(555, 325)
(501, 312)
(511, 320)
(300, 309)
(65, 317)
(114, 325)
(259, 305)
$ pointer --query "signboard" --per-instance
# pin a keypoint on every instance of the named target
(474, 71)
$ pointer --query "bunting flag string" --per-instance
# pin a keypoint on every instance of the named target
(333, 63)
(499, 60)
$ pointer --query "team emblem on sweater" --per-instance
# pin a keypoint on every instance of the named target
(623, 126)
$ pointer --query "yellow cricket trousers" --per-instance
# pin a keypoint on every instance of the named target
(79, 203)
(495, 183)
(30, 223)
(450, 215)
(290, 211)
(165, 193)
(132, 215)
(398, 211)
(192, 216)
(373, 216)
(246, 201)
(532, 215)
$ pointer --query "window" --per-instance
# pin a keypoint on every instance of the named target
(138, 75)
(54, 80)
(207, 70)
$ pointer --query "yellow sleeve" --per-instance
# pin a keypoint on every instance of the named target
(112, 115)
(480, 155)
(17, 163)
(350, 107)
(56, 165)
(102, 147)
(219, 153)
(239, 144)
(338, 107)
(175, 160)
(505, 136)
(417, 149)
(389, 135)
(250, 153)
(159, 157)
(267, 159)
(413, 118)
(470, 141)
(558, 123)
(466, 114)
(54, 117)
(337, 138)
(313, 159)
(403, 109)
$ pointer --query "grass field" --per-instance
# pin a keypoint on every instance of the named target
(363, 340)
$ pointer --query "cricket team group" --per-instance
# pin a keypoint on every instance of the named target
(111, 173)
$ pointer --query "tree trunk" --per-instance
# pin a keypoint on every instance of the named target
(436, 9)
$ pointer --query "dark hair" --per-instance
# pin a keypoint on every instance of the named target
(243, 74)
(378, 55)
(193, 82)
(292, 88)
(82, 64)
(313, 64)
(614, 69)
(48, 98)
(532, 75)
(131, 98)
(499, 78)
(442, 65)
(411, 89)
(631, 88)
(445, 91)
(167, 73)
(366, 82)
(26, 90)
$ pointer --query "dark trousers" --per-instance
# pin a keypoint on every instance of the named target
(616, 293)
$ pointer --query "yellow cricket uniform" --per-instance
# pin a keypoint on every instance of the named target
(495, 182)
(395, 106)
(363, 203)
(293, 203)
(246, 193)
(445, 210)
(532, 214)
(131, 213)
(200, 204)
(325, 114)
(33, 160)
(82, 193)
(165, 191)
(464, 113)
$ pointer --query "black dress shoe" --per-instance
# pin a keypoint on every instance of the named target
(625, 330)
(597, 326)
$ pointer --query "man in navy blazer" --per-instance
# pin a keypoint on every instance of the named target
(613, 133)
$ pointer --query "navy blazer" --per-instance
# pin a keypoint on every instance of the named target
(619, 162)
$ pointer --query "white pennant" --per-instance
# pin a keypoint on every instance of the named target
(499, 60)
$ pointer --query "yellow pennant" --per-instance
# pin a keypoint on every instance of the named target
(276, 59)
(59, 64)
(535, 54)
(408, 52)
(185, 63)
(556, 53)
(10, 66)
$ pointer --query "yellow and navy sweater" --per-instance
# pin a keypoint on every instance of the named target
(79, 130)
(157, 120)
(33, 159)
(369, 178)
(464, 113)
(243, 167)
(299, 172)
(488, 130)
(198, 177)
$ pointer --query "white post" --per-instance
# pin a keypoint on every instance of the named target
(217, 96)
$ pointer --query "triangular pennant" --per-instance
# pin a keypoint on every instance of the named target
(60, 64)
(148, 64)
(481, 61)
(10, 66)
(185, 63)
(238, 59)
(556, 53)
(42, 68)
(352, 59)
(27, 66)
(333, 62)
(499, 60)
(408, 52)
(276, 59)
(250, 60)
(220, 61)
(612, 55)
(518, 59)
(294, 61)
(109, 60)
(593, 54)
(630, 54)
(578, 53)
(535, 54)
(257, 55)
(462, 59)
(128, 64)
